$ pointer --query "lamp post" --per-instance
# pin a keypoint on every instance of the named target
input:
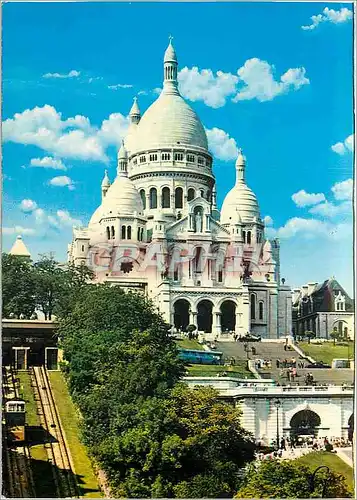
(277, 404)
(325, 482)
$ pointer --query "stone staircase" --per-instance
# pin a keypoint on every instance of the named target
(273, 351)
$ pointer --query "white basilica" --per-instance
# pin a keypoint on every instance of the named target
(158, 228)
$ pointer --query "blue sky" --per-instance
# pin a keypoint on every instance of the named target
(281, 92)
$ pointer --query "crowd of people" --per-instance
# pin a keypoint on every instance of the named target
(300, 445)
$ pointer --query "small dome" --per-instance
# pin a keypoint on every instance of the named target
(19, 248)
(106, 180)
(240, 198)
(170, 54)
(169, 122)
(135, 108)
(122, 199)
(122, 153)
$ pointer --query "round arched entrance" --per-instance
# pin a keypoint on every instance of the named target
(181, 314)
(305, 423)
(351, 426)
(228, 316)
(204, 316)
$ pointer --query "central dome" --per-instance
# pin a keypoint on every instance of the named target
(170, 122)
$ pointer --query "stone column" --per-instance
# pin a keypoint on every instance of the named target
(216, 326)
(193, 318)
(207, 224)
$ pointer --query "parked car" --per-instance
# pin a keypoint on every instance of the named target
(318, 364)
(250, 338)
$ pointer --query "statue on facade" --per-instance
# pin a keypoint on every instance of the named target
(198, 223)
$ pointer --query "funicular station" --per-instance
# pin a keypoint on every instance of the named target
(27, 343)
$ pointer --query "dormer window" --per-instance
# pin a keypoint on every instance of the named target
(190, 158)
(165, 157)
(142, 159)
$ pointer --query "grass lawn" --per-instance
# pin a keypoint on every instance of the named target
(26, 392)
(315, 459)
(189, 344)
(326, 351)
(237, 371)
(69, 419)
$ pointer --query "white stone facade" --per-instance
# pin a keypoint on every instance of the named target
(158, 228)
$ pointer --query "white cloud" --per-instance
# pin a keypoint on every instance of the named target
(304, 199)
(65, 219)
(329, 15)
(72, 74)
(72, 138)
(312, 229)
(120, 86)
(344, 147)
(19, 230)
(343, 190)
(330, 210)
(113, 130)
(258, 82)
(204, 85)
(48, 162)
(28, 206)
(268, 221)
(62, 181)
(221, 145)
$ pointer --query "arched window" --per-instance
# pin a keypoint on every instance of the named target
(249, 237)
(82, 248)
(129, 233)
(153, 198)
(190, 194)
(178, 197)
(253, 301)
(143, 197)
(123, 232)
(113, 232)
(138, 234)
(108, 233)
(142, 234)
(261, 310)
(165, 197)
(243, 233)
(202, 194)
(208, 195)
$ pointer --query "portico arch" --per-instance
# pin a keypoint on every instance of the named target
(228, 316)
(204, 316)
(181, 314)
(305, 423)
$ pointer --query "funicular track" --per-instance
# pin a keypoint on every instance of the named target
(55, 445)
(19, 480)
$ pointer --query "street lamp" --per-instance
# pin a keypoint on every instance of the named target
(277, 404)
(312, 480)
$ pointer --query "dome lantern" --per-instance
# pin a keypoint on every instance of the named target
(170, 70)
(240, 167)
(134, 113)
(105, 184)
(122, 161)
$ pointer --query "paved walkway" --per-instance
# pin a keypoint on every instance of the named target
(346, 455)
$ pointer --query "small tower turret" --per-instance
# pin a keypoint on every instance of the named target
(105, 184)
(134, 113)
(170, 70)
(122, 161)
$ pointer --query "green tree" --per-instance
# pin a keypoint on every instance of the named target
(286, 479)
(49, 284)
(309, 335)
(18, 295)
(153, 436)
(335, 335)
